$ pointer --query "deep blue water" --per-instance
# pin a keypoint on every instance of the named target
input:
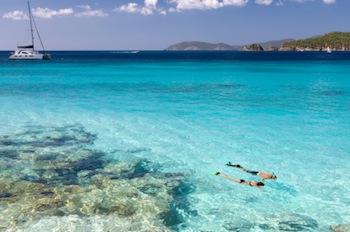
(192, 55)
(183, 114)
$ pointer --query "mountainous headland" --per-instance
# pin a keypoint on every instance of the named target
(336, 41)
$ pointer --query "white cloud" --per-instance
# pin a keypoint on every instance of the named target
(146, 11)
(162, 12)
(235, 2)
(329, 1)
(205, 4)
(324, 1)
(151, 3)
(196, 4)
(47, 13)
(263, 2)
(149, 7)
(16, 15)
(129, 8)
(88, 12)
(92, 13)
(85, 7)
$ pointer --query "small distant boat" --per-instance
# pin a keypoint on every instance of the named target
(27, 52)
(329, 50)
(126, 52)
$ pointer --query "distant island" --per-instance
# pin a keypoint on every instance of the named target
(336, 41)
(196, 45)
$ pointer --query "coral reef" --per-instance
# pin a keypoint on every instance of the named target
(53, 176)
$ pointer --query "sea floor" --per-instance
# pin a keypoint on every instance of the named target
(133, 146)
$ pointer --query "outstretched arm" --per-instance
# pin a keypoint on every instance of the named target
(244, 169)
(237, 166)
(228, 177)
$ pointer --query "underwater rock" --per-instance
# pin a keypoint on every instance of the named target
(296, 222)
(52, 173)
(340, 228)
(8, 153)
(55, 137)
(96, 223)
(331, 92)
(150, 189)
(5, 194)
(245, 226)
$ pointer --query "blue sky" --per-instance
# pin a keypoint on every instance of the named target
(156, 24)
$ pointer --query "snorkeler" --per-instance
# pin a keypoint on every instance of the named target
(249, 183)
(263, 174)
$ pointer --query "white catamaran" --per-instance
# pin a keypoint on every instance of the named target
(27, 52)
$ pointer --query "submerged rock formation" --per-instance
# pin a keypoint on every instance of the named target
(280, 222)
(53, 174)
(340, 228)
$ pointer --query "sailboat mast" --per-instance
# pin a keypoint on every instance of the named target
(27, 52)
(31, 24)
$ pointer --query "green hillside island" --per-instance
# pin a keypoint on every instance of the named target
(338, 41)
(197, 46)
(203, 46)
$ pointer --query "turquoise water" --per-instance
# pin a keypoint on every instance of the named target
(188, 117)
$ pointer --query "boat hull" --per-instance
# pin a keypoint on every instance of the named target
(29, 56)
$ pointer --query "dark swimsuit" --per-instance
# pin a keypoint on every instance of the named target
(253, 173)
(241, 181)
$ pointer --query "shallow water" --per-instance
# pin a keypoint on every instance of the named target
(182, 117)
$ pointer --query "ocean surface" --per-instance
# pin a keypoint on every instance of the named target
(130, 141)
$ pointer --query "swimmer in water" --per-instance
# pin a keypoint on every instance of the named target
(263, 174)
(256, 184)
